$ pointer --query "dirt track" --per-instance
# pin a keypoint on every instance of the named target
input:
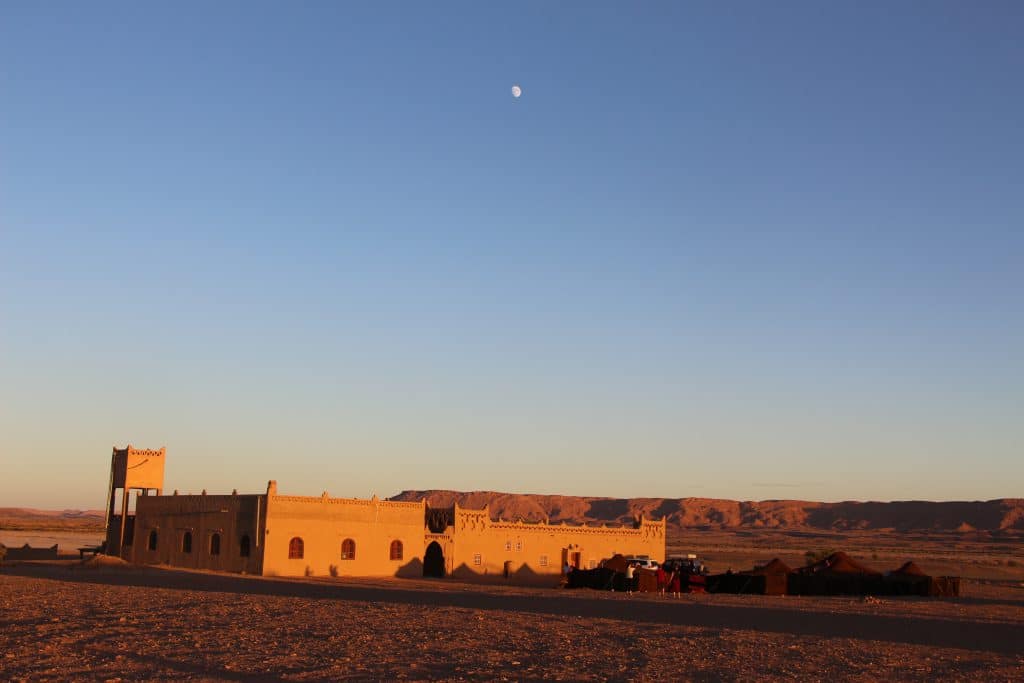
(164, 624)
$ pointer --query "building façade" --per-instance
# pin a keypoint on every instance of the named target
(272, 534)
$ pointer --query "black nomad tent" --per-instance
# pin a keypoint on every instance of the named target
(910, 580)
(768, 579)
(837, 574)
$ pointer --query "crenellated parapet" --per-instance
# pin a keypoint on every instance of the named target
(332, 510)
(651, 529)
(143, 452)
(350, 502)
(472, 520)
(480, 521)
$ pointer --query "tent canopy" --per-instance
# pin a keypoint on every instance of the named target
(840, 563)
(776, 566)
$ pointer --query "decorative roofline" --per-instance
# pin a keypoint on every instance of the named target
(485, 513)
(149, 452)
(566, 528)
(324, 498)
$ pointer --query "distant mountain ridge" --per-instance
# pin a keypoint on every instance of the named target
(54, 520)
(51, 514)
(1004, 514)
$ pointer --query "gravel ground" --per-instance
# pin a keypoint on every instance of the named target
(122, 623)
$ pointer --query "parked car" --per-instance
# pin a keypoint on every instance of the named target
(688, 563)
(642, 562)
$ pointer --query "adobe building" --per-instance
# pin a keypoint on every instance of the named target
(281, 535)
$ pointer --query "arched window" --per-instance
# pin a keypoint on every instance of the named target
(396, 550)
(215, 544)
(243, 547)
(348, 549)
(186, 542)
(296, 550)
(152, 539)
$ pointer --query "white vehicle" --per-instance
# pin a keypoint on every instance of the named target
(642, 562)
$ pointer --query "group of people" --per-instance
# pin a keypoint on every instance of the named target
(667, 581)
(640, 575)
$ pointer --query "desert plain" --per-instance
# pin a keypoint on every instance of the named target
(105, 620)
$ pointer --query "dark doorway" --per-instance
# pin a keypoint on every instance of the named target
(433, 561)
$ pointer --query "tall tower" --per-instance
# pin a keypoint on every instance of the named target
(131, 469)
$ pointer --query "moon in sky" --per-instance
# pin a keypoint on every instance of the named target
(516, 91)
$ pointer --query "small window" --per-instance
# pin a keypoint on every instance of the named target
(215, 544)
(152, 539)
(296, 549)
(508, 546)
(519, 546)
(348, 549)
(186, 542)
(396, 550)
(243, 546)
(478, 559)
(543, 560)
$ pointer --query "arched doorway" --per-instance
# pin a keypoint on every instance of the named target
(433, 561)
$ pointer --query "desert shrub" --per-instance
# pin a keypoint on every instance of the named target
(334, 570)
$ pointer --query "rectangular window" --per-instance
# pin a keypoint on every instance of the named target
(478, 559)
(519, 546)
(508, 545)
(543, 560)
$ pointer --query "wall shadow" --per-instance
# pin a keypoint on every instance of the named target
(413, 569)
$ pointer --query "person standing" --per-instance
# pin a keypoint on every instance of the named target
(675, 583)
(630, 572)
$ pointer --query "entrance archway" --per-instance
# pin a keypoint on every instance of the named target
(433, 561)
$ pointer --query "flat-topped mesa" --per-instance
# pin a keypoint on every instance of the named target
(274, 534)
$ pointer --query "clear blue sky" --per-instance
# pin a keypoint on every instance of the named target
(745, 250)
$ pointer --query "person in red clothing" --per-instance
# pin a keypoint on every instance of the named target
(662, 579)
(675, 583)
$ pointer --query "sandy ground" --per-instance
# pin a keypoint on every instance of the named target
(62, 621)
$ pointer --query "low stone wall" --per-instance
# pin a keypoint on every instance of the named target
(27, 552)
